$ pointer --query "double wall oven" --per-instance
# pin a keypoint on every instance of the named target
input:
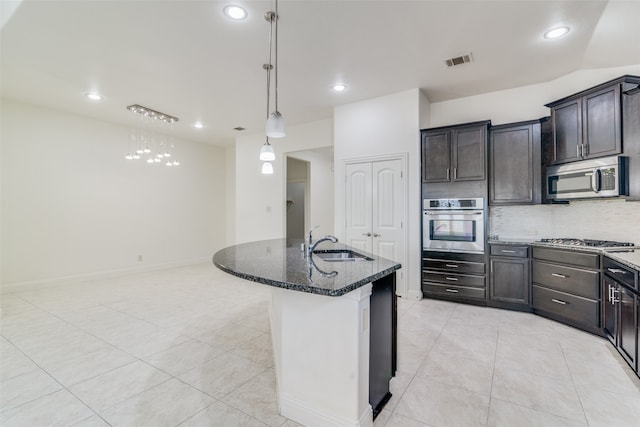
(453, 225)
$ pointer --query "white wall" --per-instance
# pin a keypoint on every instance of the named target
(321, 183)
(384, 126)
(523, 103)
(73, 207)
(261, 199)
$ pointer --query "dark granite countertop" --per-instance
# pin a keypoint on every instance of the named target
(629, 256)
(281, 263)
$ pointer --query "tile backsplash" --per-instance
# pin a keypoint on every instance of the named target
(604, 219)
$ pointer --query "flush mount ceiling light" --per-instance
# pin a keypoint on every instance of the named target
(275, 122)
(198, 125)
(234, 12)
(94, 96)
(339, 87)
(556, 33)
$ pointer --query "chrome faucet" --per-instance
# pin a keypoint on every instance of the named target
(311, 246)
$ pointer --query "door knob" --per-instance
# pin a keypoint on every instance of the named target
(376, 235)
(366, 234)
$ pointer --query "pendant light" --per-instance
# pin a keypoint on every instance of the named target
(275, 122)
(267, 168)
(266, 152)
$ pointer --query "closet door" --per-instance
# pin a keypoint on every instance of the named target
(358, 206)
(387, 202)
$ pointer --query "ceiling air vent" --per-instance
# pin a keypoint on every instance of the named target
(459, 60)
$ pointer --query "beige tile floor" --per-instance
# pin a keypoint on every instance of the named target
(190, 346)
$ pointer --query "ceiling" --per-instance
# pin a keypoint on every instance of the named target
(186, 59)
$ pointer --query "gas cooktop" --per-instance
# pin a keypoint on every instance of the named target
(587, 243)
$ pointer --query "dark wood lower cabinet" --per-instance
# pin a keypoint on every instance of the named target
(620, 310)
(509, 284)
(454, 276)
(566, 287)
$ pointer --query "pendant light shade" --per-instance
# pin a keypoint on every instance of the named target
(267, 168)
(275, 125)
(266, 153)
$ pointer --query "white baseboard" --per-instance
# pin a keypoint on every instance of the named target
(107, 274)
(308, 416)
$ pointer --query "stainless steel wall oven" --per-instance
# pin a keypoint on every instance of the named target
(453, 225)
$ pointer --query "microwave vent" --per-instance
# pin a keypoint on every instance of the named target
(459, 60)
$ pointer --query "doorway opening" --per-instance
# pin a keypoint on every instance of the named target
(297, 197)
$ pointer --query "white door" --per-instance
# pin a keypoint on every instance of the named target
(375, 209)
(358, 212)
(388, 210)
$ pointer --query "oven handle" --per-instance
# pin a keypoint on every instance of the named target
(443, 212)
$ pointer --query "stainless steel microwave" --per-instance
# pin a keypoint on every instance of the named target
(587, 179)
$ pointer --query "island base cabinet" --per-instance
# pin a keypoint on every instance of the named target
(334, 356)
(383, 341)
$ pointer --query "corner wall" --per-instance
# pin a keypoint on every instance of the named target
(261, 199)
(73, 207)
(385, 126)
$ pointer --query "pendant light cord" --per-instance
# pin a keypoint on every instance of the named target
(276, 76)
(269, 66)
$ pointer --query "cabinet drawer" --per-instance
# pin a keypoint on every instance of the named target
(580, 259)
(621, 273)
(510, 251)
(579, 310)
(457, 266)
(454, 279)
(584, 283)
(453, 291)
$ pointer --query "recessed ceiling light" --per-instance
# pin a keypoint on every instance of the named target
(339, 87)
(556, 32)
(95, 96)
(198, 125)
(234, 12)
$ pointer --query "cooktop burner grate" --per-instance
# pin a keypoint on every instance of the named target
(587, 242)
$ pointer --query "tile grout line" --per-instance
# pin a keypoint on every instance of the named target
(48, 394)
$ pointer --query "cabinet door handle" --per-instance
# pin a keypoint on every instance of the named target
(455, 173)
(616, 270)
(585, 150)
(562, 276)
(454, 279)
(609, 290)
(452, 265)
(614, 291)
(366, 234)
(557, 301)
(448, 174)
(578, 151)
(507, 251)
(453, 291)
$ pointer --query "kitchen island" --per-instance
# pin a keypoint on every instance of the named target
(332, 326)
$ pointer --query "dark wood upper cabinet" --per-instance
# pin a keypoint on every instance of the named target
(436, 156)
(589, 124)
(515, 164)
(454, 153)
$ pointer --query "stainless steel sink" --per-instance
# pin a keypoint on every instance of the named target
(340, 255)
